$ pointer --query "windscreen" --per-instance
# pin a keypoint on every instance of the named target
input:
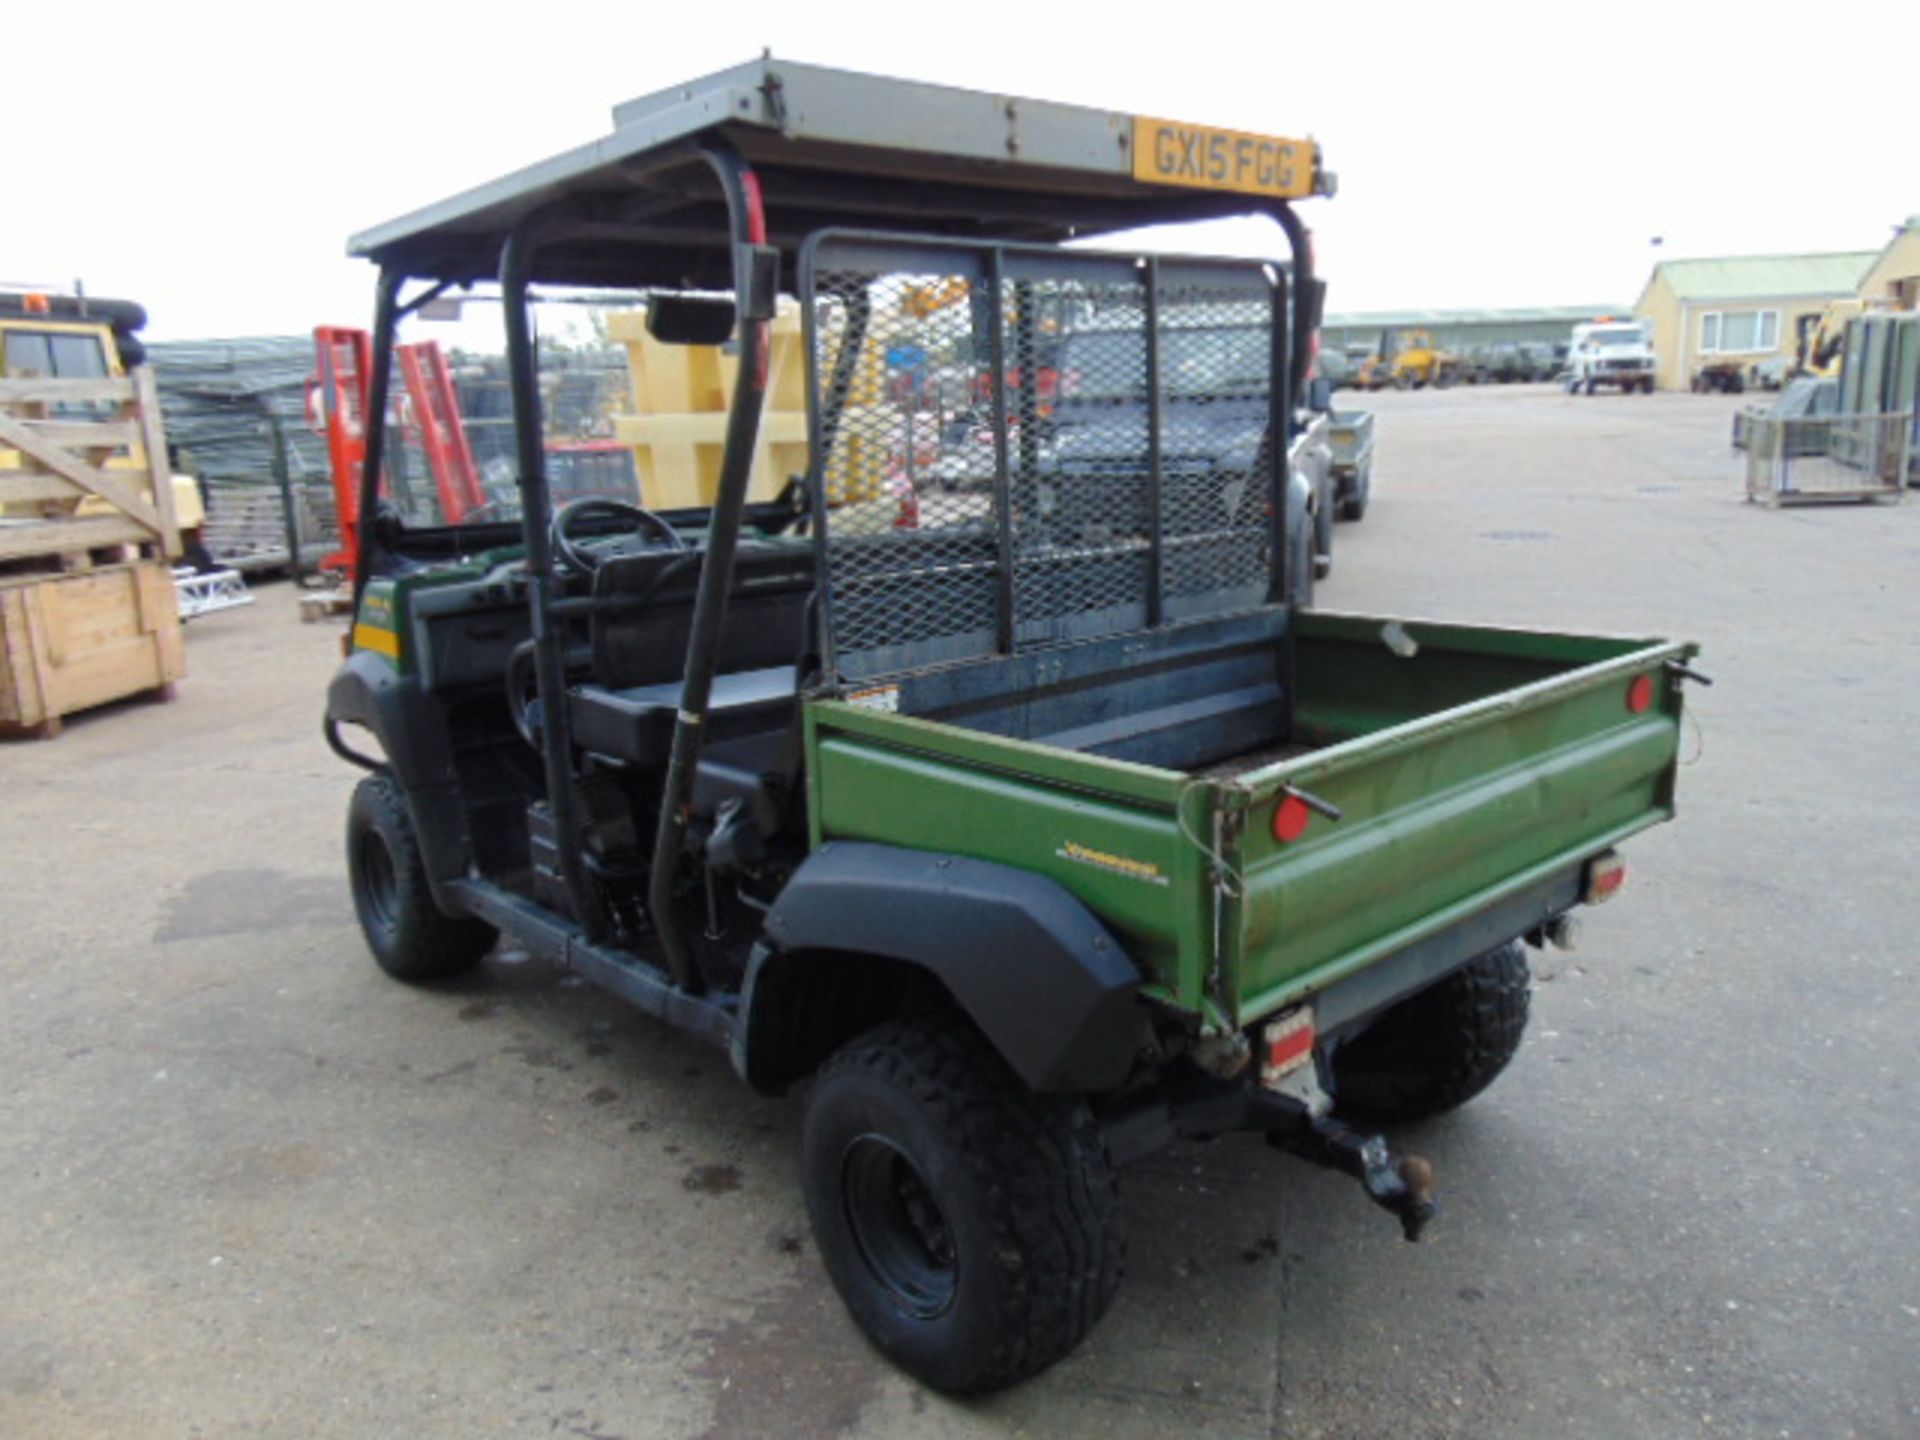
(452, 457)
(29, 354)
(1625, 335)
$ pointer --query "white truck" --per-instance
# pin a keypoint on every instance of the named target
(1610, 352)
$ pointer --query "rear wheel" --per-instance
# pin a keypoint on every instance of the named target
(1437, 1050)
(968, 1223)
(410, 936)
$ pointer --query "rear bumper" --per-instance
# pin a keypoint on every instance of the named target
(1349, 1003)
(1192, 1105)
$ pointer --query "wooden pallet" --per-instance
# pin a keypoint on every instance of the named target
(320, 604)
(70, 642)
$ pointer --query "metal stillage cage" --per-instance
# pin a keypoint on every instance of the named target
(1810, 459)
(1021, 446)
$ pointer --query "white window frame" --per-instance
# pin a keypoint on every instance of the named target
(1766, 332)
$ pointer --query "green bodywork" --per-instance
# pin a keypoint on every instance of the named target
(383, 624)
(1468, 764)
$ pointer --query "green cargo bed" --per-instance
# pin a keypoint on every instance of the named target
(1471, 766)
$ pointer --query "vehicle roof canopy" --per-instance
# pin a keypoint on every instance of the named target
(837, 148)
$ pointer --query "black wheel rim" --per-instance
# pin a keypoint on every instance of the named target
(901, 1231)
(379, 887)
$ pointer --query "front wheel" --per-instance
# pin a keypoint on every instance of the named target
(1437, 1050)
(968, 1223)
(410, 936)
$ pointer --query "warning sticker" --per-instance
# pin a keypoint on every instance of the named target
(880, 697)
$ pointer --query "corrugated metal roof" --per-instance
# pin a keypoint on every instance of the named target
(1540, 314)
(1766, 277)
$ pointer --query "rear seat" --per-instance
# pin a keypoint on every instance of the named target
(635, 723)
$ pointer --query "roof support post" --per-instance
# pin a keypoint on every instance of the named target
(545, 589)
(386, 319)
(754, 300)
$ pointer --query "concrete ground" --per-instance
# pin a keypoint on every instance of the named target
(250, 1187)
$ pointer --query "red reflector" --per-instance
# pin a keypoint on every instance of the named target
(1290, 819)
(1289, 1045)
(1604, 878)
(1640, 695)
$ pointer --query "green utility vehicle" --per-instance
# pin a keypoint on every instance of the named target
(1030, 825)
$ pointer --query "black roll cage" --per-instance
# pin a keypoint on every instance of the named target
(757, 269)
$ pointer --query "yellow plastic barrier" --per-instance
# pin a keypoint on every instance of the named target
(679, 426)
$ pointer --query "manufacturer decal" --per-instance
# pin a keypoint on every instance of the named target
(1117, 864)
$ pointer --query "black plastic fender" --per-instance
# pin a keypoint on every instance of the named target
(1299, 501)
(1046, 982)
(366, 691)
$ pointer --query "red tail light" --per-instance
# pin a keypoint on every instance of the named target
(1640, 695)
(1605, 875)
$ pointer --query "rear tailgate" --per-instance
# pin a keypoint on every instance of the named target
(1350, 432)
(1446, 814)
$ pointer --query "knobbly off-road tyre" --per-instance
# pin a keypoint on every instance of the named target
(1435, 1051)
(411, 937)
(968, 1223)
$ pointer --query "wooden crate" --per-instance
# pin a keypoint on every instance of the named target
(76, 491)
(69, 642)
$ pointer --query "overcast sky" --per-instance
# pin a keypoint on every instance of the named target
(210, 160)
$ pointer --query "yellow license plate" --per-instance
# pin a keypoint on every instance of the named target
(1200, 157)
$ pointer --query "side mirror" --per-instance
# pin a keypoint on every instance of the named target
(690, 319)
(1319, 393)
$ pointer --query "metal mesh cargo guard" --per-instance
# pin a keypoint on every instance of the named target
(1015, 447)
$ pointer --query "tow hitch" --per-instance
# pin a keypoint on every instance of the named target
(1295, 1113)
(1403, 1184)
(1299, 1119)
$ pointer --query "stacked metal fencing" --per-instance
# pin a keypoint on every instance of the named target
(233, 409)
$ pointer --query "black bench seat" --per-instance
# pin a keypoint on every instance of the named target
(635, 724)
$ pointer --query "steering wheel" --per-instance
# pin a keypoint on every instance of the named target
(585, 562)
